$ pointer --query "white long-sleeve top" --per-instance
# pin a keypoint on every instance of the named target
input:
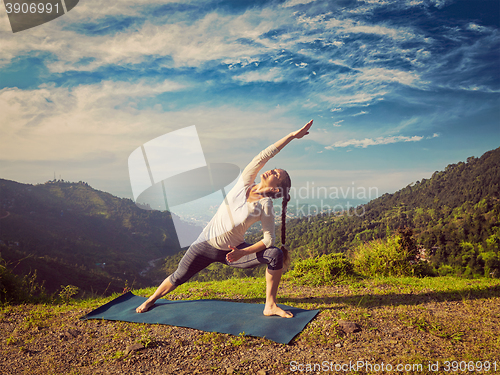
(235, 215)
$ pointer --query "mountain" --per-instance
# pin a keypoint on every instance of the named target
(454, 216)
(62, 226)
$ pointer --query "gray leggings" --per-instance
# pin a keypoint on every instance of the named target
(201, 254)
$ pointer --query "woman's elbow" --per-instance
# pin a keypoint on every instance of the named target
(269, 241)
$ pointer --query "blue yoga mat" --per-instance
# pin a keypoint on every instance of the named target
(208, 315)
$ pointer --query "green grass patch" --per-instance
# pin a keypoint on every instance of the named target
(321, 270)
(247, 288)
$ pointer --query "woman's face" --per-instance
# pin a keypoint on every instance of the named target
(272, 178)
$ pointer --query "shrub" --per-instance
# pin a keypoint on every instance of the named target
(387, 258)
(321, 270)
(491, 264)
(67, 292)
(16, 289)
(10, 285)
(447, 270)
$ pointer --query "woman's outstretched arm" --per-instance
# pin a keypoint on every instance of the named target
(236, 253)
(250, 172)
(293, 135)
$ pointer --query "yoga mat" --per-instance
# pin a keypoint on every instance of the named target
(208, 315)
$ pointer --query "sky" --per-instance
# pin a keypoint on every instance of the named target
(397, 89)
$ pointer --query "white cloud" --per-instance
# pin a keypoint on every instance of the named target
(478, 28)
(57, 122)
(441, 3)
(364, 143)
(95, 9)
(292, 3)
(88, 131)
(271, 75)
(211, 38)
(356, 98)
(352, 26)
(359, 114)
(388, 75)
(364, 85)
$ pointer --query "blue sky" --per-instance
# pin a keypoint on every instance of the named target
(397, 88)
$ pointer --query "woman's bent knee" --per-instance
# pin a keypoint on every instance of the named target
(276, 258)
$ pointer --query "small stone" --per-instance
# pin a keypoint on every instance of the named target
(69, 334)
(133, 348)
(73, 332)
(338, 345)
(229, 370)
(349, 327)
(262, 372)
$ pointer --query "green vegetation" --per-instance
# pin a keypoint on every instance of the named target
(67, 292)
(83, 236)
(323, 270)
(18, 289)
(391, 256)
(382, 258)
(454, 217)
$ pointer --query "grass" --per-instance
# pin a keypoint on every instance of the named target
(250, 289)
(403, 320)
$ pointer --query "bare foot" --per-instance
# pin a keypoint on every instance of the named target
(144, 307)
(276, 310)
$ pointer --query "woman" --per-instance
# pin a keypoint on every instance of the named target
(244, 205)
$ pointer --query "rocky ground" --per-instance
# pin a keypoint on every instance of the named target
(412, 329)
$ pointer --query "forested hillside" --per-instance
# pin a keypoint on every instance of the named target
(70, 231)
(454, 216)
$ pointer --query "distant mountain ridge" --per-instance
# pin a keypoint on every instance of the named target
(458, 183)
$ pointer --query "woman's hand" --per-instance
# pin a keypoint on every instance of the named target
(303, 131)
(293, 135)
(235, 254)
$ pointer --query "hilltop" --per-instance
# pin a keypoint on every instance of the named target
(401, 321)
